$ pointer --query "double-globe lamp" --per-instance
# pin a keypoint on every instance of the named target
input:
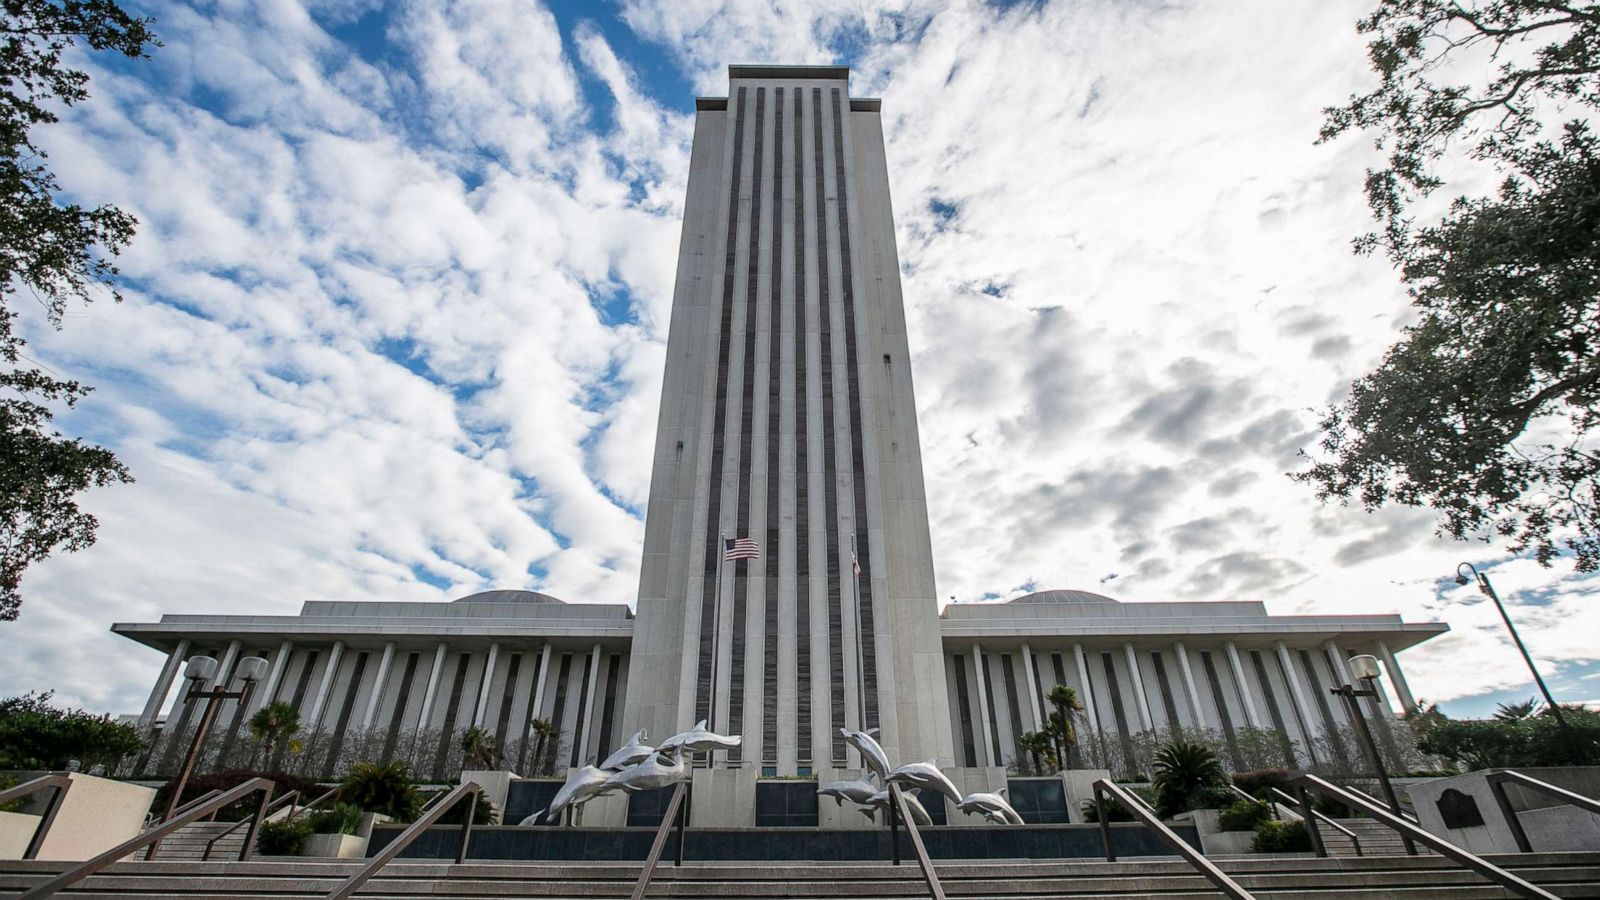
(202, 670)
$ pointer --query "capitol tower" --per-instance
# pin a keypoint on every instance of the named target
(788, 425)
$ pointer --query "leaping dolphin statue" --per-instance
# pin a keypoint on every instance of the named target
(634, 751)
(925, 774)
(872, 755)
(854, 791)
(912, 806)
(652, 773)
(582, 786)
(991, 806)
(698, 740)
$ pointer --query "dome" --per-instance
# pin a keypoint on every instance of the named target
(508, 597)
(1064, 596)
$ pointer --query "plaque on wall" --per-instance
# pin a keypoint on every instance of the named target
(1459, 810)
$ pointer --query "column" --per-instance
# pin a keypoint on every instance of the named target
(314, 720)
(1036, 709)
(378, 685)
(433, 687)
(537, 705)
(1189, 689)
(588, 705)
(1297, 691)
(280, 664)
(1087, 694)
(1145, 721)
(1245, 696)
(158, 694)
(483, 689)
(983, 708)
(1337, 660)
(225, 666)
(1397, 678)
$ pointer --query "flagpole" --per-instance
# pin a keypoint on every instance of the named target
(861, 659)
(716, 630)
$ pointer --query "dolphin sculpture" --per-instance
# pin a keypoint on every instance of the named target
(991, 806)
(925, 774)
(634, 751)
(652, 773)
(698, 740)
(584, 785)
(872, 754)
(854, 791)
(912, 807)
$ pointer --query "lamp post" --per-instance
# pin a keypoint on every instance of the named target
(1365, 670)
(1488, 589)
(200, 670)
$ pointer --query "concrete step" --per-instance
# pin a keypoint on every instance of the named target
(1410, 878)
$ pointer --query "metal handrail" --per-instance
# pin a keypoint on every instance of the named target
(1146, 815)
(675, 816)
(61, 784)
(1404, 813)
(196, 801)
(929, 876)
(432, 813)
(151, 835)
(272, 807)
(1308, 814)
(1497, 784)
(1271, 805)
(1410, 829)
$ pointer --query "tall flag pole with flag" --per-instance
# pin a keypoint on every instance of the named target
(733, 550)
(861, 659)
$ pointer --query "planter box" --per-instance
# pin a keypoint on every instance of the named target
(335, 846)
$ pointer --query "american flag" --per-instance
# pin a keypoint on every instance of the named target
(740, 548)
(855, 564)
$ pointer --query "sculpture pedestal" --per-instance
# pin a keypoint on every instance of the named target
(723, 798)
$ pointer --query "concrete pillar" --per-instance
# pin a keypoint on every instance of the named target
(1088, 689)
(280, 665)
(1036, 710)
(483, 689)
(158, 694)
(1303, 708)
(588, 704)
(537, 705)
(1397, 678)
(225, 665)
(433, 687)
(1336, 659)
(377, 687)
(983, 708)
(1145, 721)
(1245, 695)
(314, 720)
(1189, 689)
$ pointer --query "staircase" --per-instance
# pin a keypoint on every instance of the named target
(1282, 878)
(189, 842)
(1376, 838)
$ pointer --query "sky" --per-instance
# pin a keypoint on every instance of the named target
(394, 318)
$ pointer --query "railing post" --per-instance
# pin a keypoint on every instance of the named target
(1105, 823)
(471, 799)
(1498, 786)
(249, 848)
(682, 823)
(36, 842)
(1308, 818)
(894, 829)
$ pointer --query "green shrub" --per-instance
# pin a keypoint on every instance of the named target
(1534, 741)
(483, 814)
(1244, 815)
(284, 837)
(230, 778)
(341, 818)
(1258, 782)
(1273, 836)
(387, 789)
(1188, 776)
(36, 735)
(1114, 812)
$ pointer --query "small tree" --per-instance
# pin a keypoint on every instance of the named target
(1188, 776)
(542, 729)
(36, 735)
(1065, 701)
(271, 726)
(1040, 749)
(1512, 712)
(478, 749)
(387, 789)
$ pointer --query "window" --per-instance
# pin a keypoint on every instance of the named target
(769, 771)
(803, 772)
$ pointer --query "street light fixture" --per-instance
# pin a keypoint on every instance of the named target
(1488, 590)
(199, 670)
(1365, 670)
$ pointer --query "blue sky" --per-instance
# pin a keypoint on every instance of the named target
(395, 315)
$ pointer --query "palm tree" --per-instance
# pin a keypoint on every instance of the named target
(1039, 747)
(478, 749)
(542, 729)
(1065, 700)
(1186, 772)
(271, 726)
(1516, 712)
